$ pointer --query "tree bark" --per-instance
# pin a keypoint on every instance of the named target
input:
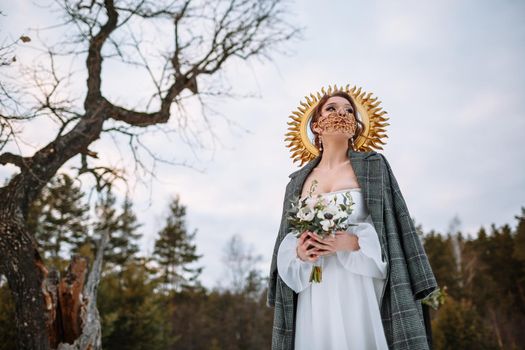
(70, 318)
(23, 268)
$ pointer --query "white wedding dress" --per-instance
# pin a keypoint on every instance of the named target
(342, 311)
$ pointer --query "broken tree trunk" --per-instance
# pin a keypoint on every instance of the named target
(71, 317)
(70, 299)
(73, 320)
(64, 301)
(90, 337)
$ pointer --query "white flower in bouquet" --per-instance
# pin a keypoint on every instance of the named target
(306, 213)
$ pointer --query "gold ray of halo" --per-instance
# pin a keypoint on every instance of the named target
(369, 112)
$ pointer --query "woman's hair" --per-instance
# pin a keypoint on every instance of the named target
(360, 127)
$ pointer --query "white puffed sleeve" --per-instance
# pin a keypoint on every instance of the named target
(367, 259)
(293, 271)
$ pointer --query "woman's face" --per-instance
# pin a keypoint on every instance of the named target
(337, 118)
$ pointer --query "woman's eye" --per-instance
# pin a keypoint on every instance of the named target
(350, 110)
(329, 108)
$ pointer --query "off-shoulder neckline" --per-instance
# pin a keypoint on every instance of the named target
(342, 190)
(358, 189)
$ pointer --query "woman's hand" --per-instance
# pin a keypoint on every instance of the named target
(330, 244)
(303, 251)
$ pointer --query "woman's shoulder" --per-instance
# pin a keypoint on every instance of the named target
(383, 158)
(380, 158)
(367, 155)
(372, 155)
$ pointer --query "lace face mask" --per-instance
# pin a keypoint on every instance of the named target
(334, 122)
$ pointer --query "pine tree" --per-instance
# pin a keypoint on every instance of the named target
(174, 251)
(440, 252)
(519, 245)
(106, 216)
(59, 217)
(123, 243)
(458, 325)
(519, 255)
(133, 316)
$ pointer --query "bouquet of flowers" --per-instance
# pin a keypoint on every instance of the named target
(321, 215)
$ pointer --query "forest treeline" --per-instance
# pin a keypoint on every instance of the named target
(158, 301)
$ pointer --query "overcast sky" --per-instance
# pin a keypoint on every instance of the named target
(450, 74)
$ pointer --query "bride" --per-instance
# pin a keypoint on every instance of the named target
(344, 310)
(341, 312)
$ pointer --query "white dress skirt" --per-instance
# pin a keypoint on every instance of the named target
(342, 311)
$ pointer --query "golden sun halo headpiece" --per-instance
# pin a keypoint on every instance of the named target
(368, 111)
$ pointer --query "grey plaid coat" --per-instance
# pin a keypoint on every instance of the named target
(409, 277)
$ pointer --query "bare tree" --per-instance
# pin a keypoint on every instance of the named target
(240, 262)
(204, 36)
(454, 231)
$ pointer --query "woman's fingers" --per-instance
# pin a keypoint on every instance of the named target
(312, 246)
(303, 236)
(313, 257)
(314, 251)
(317, 236)
(327, 238)
(323, 244)
(305, 249)
(308, 241)
(305, 244)
(326, 252)
(310, 251)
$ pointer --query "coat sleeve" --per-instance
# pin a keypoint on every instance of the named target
(283, 230)
(422, 278)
